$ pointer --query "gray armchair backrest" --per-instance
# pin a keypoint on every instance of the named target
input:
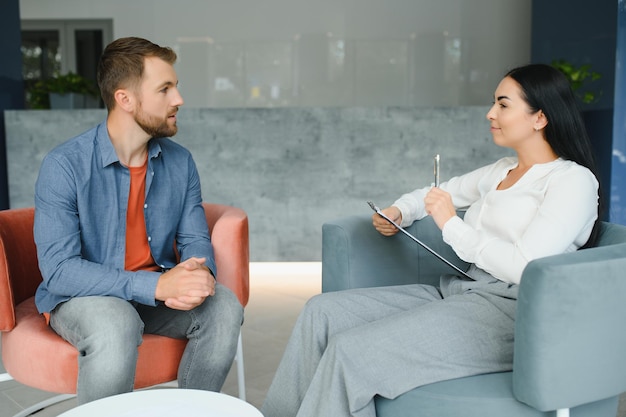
(611, 234)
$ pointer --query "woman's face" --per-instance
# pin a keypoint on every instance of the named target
(512, 120)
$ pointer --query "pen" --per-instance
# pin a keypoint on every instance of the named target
(437, 170)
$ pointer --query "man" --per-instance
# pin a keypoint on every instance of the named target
(115, 209)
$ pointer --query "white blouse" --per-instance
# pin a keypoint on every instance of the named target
(551, 209)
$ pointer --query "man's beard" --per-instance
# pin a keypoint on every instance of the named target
(155, 126)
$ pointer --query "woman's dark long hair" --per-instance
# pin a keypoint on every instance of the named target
(545, 88)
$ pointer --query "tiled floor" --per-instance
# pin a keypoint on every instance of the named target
(277, 294)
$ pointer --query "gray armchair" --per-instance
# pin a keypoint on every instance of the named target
(570, 343)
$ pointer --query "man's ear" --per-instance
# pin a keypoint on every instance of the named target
(124, 99)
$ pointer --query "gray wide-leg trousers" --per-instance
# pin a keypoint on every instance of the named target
(349, 346)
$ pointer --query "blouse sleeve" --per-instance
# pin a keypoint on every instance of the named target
(561, 222)
(464, 190)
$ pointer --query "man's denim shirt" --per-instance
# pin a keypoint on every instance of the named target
(81, 199)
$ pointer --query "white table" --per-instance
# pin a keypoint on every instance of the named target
(166, 403)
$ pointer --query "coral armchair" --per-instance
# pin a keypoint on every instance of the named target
(34, 355)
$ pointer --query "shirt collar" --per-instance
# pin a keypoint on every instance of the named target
(108, 151)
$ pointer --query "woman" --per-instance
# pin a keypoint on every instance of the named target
(349, 346)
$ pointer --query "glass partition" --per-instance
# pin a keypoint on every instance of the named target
(283, 53)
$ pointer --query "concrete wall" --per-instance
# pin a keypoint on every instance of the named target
(291, 169)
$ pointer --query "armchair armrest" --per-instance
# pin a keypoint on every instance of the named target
(19, 269)
(569, 338)
(355, 255)
(229, 234)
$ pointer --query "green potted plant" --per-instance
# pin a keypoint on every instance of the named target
(62, 91)
(579, 77)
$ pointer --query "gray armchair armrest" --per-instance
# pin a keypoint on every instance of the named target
(569, 333)
(355, 255)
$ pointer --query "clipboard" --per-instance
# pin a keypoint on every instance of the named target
(422, 244)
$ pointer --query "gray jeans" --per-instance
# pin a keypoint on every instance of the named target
(349, 346)
(107, 331)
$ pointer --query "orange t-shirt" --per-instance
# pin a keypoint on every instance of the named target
(138, 255)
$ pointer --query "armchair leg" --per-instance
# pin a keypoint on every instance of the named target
(240, 370)
(43, 404)
(563, 412)
(40, 405)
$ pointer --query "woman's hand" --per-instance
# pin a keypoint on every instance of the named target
(383, 226)
(438, 204)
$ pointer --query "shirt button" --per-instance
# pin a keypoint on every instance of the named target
(149, 239)
(145, 206)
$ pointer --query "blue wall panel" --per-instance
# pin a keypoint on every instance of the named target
(583, 33)
(617, 211)
(11, 84)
